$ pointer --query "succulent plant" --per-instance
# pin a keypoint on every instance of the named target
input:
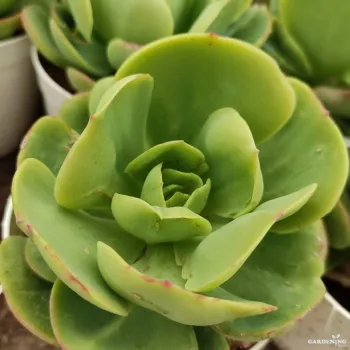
(10, 21)
(310, 42)
(186, 214)
(91, 38)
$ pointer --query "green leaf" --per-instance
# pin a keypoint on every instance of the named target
(6, 7)
(284, 270)
(318, 155)
(218, 15)
(48, 140)
(83, 16)
(75, 111)
(327, 50)
(26, 294)
(189, 181)
(177, 154)
(336, 100)
(90, 58)
(178, 199)
(78, 80)
(208, 339)
(236, 241)
(165, 297)
(152, 190)
(198, 199)
(156, 224)
(119, 50)
(94, 170)
(37, 264)
(234, 169)
(9, 25)
(98, 90)
(254, 26)
(80, 325)
(287, 64)
(35, 21)
(184, 249)
(206, 73)
(338, 224)
(136, 21)
(73, 263)
(293, 49)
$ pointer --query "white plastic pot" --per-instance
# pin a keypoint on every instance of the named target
(19, 97)
(6, 225)
(53, 94)
(325, 327)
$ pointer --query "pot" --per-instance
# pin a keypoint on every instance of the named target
(53, 94)
(19, 97)
(7, 222)
(326, 327)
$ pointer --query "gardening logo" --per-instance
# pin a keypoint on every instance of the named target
(336, 341)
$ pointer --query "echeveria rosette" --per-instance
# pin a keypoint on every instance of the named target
(310, 41)
(92, 38)
(161, 219)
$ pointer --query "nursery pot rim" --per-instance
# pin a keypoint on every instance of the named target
(6, 223)
(34, 54)
(13, 40)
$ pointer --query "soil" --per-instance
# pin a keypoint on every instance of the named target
(57, 74)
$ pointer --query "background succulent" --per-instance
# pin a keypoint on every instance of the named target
(186, 209)
(10, 21)
(91, 38)
(310, 41)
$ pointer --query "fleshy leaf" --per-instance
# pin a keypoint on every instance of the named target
(9, 25)
(319, 156)
(88, 57)
(165, 297)
(75, 112)
(234, 169)
(104, 149)
(207, 73)
(236, 241)
(178, 199)
(218, 15)
(189, 181)
(335, 99)
(199, 197)
(254, 26)
(37, 264)
(328, 50)
(136, 21)
(152, 190)
(119, 50)
(156, 224)
(36, 23)
(208, 339)
(78, 80)
(285, 270)
(338, 224)
(83, 16)
(48, 140)
(99, 89)
(26, 294)
(177, 153)
(73, 263)
(80, 325)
